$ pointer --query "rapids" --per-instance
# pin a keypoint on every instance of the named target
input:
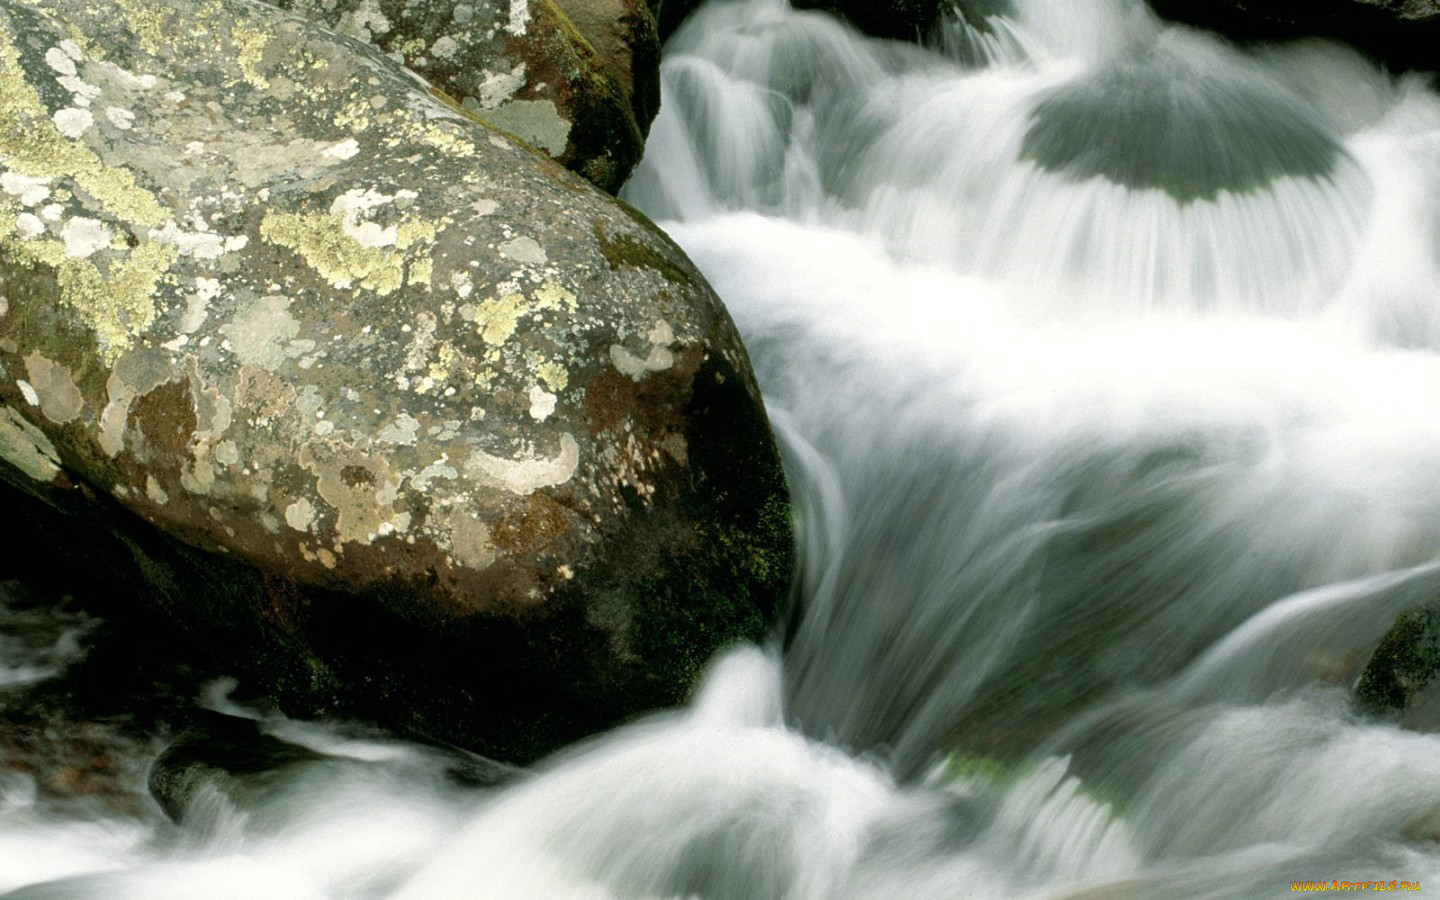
(1106, 361)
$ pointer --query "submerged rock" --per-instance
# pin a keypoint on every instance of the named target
(427, 428)
(1403, 676)
(578, 80)
(1196, 118)
(1402, 33)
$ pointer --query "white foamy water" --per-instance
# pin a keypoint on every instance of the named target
(1106, 361)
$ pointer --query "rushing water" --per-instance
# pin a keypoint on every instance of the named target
(1106, 359)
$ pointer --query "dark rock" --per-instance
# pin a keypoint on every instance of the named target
(1403, 676)
(231, 756)
(578, 80)
(424, 428)
(669, 15)
(905, 20)
(1404, 34)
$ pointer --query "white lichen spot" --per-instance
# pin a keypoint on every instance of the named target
(73, 122)
(343, 150)
(28, 225)
(122, 119)
(57, 59)
(259, 331)
(542, 403)
(444, 48)
(566, 572)
(197, 304)
(30, 191)
(441, 468)
(153, 490)
(227, 453)
(52, 212)
(350, 205)
(324, 427)
(71, 49)
(54, 386)
(400, 431)
(498, 87)
(529, 473)
(195, 244)
(519, 17)
(300, 515)
(82, 91)
(28, 392)
(84, 237)
(525, 250)
(658, 360)
(366, 22)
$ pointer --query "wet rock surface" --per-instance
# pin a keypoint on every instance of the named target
(391, 413)
(1404, 34)
(1403, 676)
(905, 20)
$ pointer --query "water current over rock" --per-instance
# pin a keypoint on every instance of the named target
(1106, 357)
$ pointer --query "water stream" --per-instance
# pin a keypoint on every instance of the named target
(1106, 361)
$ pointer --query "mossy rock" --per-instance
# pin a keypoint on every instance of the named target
(393, 415)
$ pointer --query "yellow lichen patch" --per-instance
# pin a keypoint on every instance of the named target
(88, 48)
(422, 269)
(446, 356)
(553, 296)
(31, 145)
(553, 374)
(149, 22)
(250, 46)
(321, 240)
(119, 305)
(446, 137)
(496, 319)
(355, 114)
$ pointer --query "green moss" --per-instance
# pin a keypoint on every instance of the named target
(963, 767)
(626, 251)
(1406, 661)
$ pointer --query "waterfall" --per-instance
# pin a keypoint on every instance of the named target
(1105, 357)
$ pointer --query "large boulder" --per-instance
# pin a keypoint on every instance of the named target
(1404, 34)
(577, 79)
(393, 414)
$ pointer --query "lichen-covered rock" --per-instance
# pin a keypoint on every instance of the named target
(1402, 33)
(578, 79)
(431, 430)
(1403, 676)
